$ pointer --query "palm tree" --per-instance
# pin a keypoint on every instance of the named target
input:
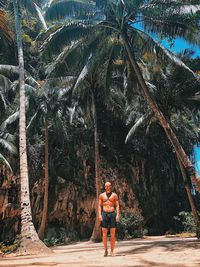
(89, 105)
(94, 85)
(48, 115)
(29, 243)
(172, 89)
(121, 19)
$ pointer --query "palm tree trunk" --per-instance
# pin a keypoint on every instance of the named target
(96, 234)
(158, 114)
(190, 198)
(29, 240)
(46, 184)
(189, 168)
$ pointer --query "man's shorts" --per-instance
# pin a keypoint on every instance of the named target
(108, 220)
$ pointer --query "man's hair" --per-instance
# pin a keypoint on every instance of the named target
(107, 183)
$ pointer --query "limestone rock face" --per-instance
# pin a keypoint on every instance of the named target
(73, 206)
(9, 207)
(142, 191)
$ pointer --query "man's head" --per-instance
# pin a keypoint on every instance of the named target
(108, 187)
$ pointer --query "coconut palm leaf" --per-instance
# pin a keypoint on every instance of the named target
(83, 74)
(141, 121)
(63, 36)
(77, 9)
(3, 102)
(4, 26)
(9, 120)
(34, 119)
(4, 160)
(9, 70)
(61, 65)
(153, 44)
(5, 83)
(41, 17)
(10, 147)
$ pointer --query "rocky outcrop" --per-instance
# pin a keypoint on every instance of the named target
(9, 207)
(142, 191)
(72, 206)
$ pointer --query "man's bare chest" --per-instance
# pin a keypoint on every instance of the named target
(108, 198)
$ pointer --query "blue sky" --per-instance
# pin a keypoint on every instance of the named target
(197, 158)
(180, 45)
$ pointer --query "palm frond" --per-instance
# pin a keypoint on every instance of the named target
(3, 104)
(9, 70)
(5, 83)
(29, 80)
(9, 120)
(70, 9)
(141, 121)
(63, 36)
(9, 146)
(63, 61)
(173, 28)
(160, 49)
(84, 72)
(33, 119)
(4, 160)
(172, 19)
(41, 17)
(4, 26)
(113, 56)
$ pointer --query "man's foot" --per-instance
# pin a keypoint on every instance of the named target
(112, 254)
(105, 253)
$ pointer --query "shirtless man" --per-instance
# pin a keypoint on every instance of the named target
(108, 216)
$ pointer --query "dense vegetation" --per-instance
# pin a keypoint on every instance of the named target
(104, 101)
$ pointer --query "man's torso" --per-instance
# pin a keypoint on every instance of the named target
(108, 201)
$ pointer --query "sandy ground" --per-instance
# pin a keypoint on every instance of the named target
(151, 251)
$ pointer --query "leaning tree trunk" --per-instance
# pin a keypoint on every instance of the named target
(29, 240)
(96, 234)
(46, 184)
(190, 198)
(189, 168)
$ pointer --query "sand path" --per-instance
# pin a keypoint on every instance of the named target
(151, 251)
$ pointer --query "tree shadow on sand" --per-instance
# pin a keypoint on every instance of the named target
(169, 245)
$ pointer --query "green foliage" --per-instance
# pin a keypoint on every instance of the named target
(186, 221)
(9, 246)
(76, 9)
(59, 236)
(130, 226)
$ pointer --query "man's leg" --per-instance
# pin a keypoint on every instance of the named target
(112, 241)
(104, 234)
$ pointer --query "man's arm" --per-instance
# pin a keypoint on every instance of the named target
(117, 208)
(100, 207)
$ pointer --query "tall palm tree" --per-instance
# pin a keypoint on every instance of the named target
(171, 91)
(92, 88)
(122, 25)
(29, 243)
(89, 104)
(164, 17)
(48, 116)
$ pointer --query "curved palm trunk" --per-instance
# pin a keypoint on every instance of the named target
(29, 240)
(96, 234)
(46, 184)
(163, 122)
(190, 198)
